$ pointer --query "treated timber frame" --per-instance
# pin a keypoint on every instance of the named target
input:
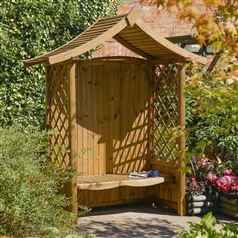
(79, 93)
(73, 136)
(181, 144)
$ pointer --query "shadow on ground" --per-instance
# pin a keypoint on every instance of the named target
(136, 220)
(132, 228)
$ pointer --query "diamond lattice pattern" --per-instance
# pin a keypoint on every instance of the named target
(58, 113)
(165, 110)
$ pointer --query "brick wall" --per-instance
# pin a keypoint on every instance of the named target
(164, 23)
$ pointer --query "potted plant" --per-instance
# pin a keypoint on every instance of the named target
(201, 195)
(222, 177)
(228, 184)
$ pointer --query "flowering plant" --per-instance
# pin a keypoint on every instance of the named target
(227, 181)
(200, 167)
(215, 174)
(197, 184)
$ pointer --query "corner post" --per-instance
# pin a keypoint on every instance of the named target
(181, 141)
(73, 138)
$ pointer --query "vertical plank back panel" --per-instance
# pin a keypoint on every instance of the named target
(134, 93)
(112, 116)
(91, 120)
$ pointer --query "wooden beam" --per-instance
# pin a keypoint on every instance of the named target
(132, 16)
(73, 138)
(214, 62)
(36, 60)
(63, 56)
(111, 59)
(184, 39)
(181, 141)
(171, 60)
(174, 49)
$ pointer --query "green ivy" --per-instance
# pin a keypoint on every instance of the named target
(30, 28)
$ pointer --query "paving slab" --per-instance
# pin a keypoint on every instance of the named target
(136, 220)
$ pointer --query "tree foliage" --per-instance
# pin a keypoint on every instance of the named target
(30, 28)
(212, 114)
(215, 21)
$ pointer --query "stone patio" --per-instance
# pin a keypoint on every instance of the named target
(136, 220)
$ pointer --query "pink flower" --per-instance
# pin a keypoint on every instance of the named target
(212, 177)
(193, 180)
(228, 172)
(234, 186)
(197, 159)
(204, 162)
(210, 165)
(226, 182)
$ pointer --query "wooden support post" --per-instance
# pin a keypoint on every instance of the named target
(73, 138)
(181, 142)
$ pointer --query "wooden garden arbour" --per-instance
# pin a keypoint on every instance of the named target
(119, 114)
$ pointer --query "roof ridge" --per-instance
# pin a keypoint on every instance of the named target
(129, 30)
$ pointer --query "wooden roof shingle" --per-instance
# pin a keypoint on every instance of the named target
(130, 31)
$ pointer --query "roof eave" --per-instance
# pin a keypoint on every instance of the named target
(130, 20)
(34, 61)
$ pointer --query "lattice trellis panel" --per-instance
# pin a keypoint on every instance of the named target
(57, 109)
(165, 113)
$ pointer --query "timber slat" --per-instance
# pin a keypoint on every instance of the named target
(129, 27)
(109, 181)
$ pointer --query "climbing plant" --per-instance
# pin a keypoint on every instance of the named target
(29, 28)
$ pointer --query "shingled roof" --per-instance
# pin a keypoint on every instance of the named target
(130, 31)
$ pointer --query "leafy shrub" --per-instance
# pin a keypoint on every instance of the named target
(52, 232)
(29, 198)
(212, 115)
(206, 229)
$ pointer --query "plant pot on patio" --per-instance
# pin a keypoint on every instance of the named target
(199, 204)
(228, 205)
(200, 197)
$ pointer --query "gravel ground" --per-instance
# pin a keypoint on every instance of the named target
(136, 220)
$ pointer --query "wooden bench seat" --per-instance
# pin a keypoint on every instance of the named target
(109, 181)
